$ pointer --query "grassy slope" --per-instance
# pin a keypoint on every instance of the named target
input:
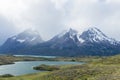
(96, 69)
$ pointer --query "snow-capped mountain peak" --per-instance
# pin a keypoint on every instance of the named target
(94, 35)
(97, 32)
(28, 36)
(68, 43)
(89, 35)
(70, 31)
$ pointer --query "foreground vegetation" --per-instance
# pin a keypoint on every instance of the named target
(96, 68)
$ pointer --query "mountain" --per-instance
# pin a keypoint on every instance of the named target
(27, 38)
(97, 43)
(95, 35)
(65, 39)
(92, 42)
(72, 38)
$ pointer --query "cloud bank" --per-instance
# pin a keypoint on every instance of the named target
(52, 16)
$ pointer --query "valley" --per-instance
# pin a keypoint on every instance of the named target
(95, 68)
(59, 39)
(91, 55)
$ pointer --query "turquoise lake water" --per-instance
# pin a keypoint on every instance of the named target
(26, 67)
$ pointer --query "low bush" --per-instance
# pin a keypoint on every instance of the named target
(7, 75)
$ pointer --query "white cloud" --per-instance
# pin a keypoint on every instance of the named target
(40, 14)
(112, 1)
(59, 3)
(105, 15)
(52, 16)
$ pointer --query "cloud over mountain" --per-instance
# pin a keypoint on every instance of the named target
(57, 15)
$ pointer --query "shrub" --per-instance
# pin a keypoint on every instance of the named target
(7, 75)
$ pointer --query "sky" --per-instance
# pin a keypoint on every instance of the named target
(51, 17)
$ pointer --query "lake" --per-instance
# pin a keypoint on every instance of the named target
(26, 67)
(36, 56)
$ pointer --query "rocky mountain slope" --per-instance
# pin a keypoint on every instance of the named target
(91, 42)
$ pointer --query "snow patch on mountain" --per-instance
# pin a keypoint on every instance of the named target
(90, 35)
(29, 36)
(95, 35)
(21, 41)
(80, 39)
(33, 38)
(14, 38)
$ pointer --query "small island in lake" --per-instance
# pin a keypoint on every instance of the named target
(46, 67)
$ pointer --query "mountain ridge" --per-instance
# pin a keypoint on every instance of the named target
(92, 42)
(24, 39)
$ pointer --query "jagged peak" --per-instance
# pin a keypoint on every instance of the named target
(28, 35)
(95, 30)
(94, 34)
(70, 31)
